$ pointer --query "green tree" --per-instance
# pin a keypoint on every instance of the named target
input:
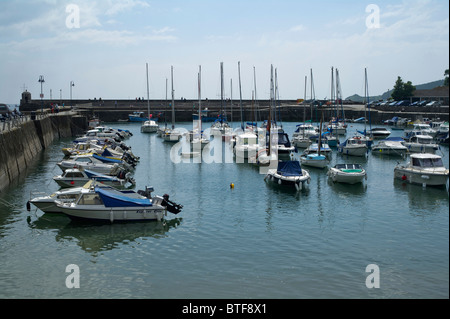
(446, 78)
(402, 91)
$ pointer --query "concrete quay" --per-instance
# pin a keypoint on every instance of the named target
(21, 141)
(288, 110)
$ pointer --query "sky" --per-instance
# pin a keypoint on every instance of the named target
(103, 46)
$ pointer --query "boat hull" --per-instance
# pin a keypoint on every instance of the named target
(353, 151)
(301, 143)
(421, 148)
(338, 176)
(149, 129)
(297, 182)
(390, 151)
(101, 213)
(318, 163)
(422, 177)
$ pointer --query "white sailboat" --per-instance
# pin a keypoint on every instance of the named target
(221, 127)
(149, 126)
(267, 156)
(246, 142)
(315, 159)
(172, 135)
(197, 139)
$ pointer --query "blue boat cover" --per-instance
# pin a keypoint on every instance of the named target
(106, 153)
(115, 199)
(289, 168)
(106, 159)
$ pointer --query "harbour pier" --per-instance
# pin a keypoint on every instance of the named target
(23, 138)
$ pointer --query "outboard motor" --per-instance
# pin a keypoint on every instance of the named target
(147, 192)
(172, 207)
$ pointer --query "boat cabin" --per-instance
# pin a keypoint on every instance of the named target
(421, 139)
(89, 199)
(426, 161)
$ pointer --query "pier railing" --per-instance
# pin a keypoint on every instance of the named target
(13, 121)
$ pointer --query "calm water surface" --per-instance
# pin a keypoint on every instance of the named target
(253, 241)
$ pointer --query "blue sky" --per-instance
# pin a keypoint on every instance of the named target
(106, 55)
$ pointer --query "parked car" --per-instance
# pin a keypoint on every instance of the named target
(422, 103)
(432, 103)
(4, 109)
(414, 103)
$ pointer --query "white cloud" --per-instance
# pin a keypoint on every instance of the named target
(118, 6)
(297, 28)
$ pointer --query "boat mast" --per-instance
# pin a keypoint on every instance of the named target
(221, 92)
(173, 101)
(312, 100)
(320, 135)
(231, 100)
(339, 93)
(256, 98)
(333, 100)
(269, 124)
(240, 96)
(367, 101)
(165, 111)
(200, 99)
(277, 97)
(304, 108)
(148, 94)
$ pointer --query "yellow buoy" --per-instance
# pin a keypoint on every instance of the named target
(231, 185)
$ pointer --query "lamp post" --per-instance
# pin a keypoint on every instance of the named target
(41, 80)
(71, 84)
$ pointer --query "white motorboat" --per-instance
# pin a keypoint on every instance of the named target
(423, 169)
(390, 146)
(338, 128)
(109, 204)
(149, 126)
(246, 145)
(353, 146)
(100, 133)
(90, 163)
(75, 177)
(421, 144)
(284, 146)
(347, 173)
(379, 133)
(301, 141)
(425, 129)
(302, 134)
(314, 160)
(46, 203)
(305, 129)
(289, 173)
(314, 148)
(83, 148)
(172, 135)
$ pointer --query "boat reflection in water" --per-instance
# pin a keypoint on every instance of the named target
(93, 237)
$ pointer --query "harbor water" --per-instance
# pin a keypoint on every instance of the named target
(255, 240)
